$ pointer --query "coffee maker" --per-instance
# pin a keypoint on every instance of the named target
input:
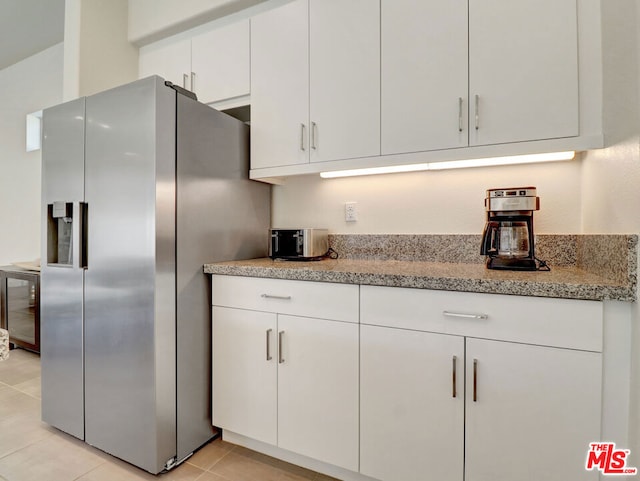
(507, 240)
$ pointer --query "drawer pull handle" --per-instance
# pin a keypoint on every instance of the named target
(475, 380)
(280, 355)
(268, 350)
(465, 316)
(270, 296)
(455, 361)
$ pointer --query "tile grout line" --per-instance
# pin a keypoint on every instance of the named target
(91, 470)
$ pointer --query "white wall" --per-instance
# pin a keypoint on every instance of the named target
(150, 20)
(97, 55)
(28, 86)
(432, 202)
(633, 165)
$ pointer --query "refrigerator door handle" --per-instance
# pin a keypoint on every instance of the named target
(80, 258)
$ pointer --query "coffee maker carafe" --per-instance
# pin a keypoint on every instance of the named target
(508, 240)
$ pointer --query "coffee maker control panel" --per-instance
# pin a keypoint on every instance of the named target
(512, 199)
(513, 192)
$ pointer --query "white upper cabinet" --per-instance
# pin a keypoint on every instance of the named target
(280, 86)
(220, 62)
(345, 78)
(213, 64)
(458, 73)
(394, 82)
(172, 62)
(315, 82)
(523, 70)
(424, 75)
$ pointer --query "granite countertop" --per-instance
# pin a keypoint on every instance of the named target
(562, 282)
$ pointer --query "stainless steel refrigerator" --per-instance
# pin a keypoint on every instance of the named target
(142, 185)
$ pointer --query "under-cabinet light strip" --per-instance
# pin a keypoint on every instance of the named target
(454, 164)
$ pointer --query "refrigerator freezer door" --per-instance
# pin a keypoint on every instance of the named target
(130, 406)
(62, 283)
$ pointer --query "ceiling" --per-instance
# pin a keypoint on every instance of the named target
(28, 27)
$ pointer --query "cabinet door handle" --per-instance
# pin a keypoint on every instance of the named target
(184, 80)
(475, 380)
(271, 296)
(453, 376)
(193, 81)
(302, 129)
(268, 350)
(280, 355)
(459, 114)
(477, 112)
(314, 128)
(464, 316)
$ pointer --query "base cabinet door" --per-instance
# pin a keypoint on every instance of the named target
(412, 405)
(318, 389)
(245, 373)
(531, 411)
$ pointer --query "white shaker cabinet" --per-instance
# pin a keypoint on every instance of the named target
(315, 82)
(213, 64)
(412, 404)
(523, 70)
(424, 72)
(282, 374)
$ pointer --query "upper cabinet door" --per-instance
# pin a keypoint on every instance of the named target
(523, 70)
(220, 62)
(345, 79)
(170, 61)
(280, 86)
(424, 75)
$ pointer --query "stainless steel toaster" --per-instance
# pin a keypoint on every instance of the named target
(298, 244)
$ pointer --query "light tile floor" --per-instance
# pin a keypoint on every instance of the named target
(31, 450)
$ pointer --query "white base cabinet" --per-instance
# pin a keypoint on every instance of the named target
(526, 411)
(532, 413)
(411, 405)
(283, 379)
(318, 389)
(245, 373)
(397, 384)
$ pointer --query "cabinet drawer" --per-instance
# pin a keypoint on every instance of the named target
(324, 300)
(568, 323)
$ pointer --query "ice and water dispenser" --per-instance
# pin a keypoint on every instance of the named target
(66, 226)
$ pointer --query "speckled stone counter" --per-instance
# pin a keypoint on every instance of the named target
(4, 344)
(580, 269)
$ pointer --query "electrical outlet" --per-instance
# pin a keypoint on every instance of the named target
(350, 211)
